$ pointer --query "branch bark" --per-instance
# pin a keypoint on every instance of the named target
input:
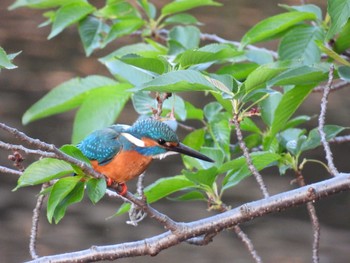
(244, 213)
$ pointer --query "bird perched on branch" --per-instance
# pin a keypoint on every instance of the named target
(123, 152)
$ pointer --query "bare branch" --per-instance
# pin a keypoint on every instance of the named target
(6, 170)
(321, 123)
(35, 224)
(336, 86)
(136, 214)
(247, 242)
(50, 148)
(314, 221)
(340, 139)
(246, 154)
(215, 38)
(8, 146)
(244, 213)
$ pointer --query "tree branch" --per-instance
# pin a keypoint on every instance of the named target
(314, 221)
(340, 139)
(35, 224)
(247, 212)
(321, 122)
(246, 154)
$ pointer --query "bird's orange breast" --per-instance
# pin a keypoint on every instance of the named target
(124, 166)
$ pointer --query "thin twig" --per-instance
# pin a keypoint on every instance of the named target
(217, 223)
(14, 147)
(321, 122)
(35, 224)
(136, 214)
(163, 219)
(243, 237)
(249, 161)
(336, 86)
(248, 243)
(6, 170)
(51, 149)
(314, 220)
(216, 38)
(340, 139)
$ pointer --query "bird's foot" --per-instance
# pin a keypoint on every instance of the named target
(121, 188)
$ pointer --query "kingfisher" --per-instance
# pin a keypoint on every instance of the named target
(122, 152)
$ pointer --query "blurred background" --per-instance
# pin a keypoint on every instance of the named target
(43, 64)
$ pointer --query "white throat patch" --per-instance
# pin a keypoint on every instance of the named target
(163, 155)
(134, 140)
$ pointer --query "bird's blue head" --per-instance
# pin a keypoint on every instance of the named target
(155, 138)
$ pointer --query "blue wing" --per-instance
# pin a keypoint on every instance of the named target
(102, 145)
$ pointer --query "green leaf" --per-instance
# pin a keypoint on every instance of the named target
(73, 151)
(193, 112)
(143, 103)
(274, 25)
(75, 196)
(156, 65)
(239, 71)
(149, 8)
(204, 178)
(43, 171)
(117, 9)
(183, 37)
(5, 60)
(195, 139)
(68, 15)
(221, 131)
(90, 32)
(260, 76)
(260, 57)
(299, 43)
(268, 107)
(211, 110)
(305, 8)
(344, 73)
(177, 81)
(124, 26)
(160, 189)
(332, 54)
(215, 153)
(297, 121)
(100, 109)
(343, 40)
(339, 11)
(209, 53)
(190, 196)
(59, 192)
(248, 125)
(141, 49)
(66, 96)
(238, 168)
(185, 19)
(289, 103)
(304, 75)
(291, 139)
(96, 189)
(134, 75)
(42, 4)
(314, 139)
(184, 5)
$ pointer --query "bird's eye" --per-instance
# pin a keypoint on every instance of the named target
(161, 141)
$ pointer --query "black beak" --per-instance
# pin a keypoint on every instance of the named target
(181, 148)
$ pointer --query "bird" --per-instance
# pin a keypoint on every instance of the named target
(122, 152)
